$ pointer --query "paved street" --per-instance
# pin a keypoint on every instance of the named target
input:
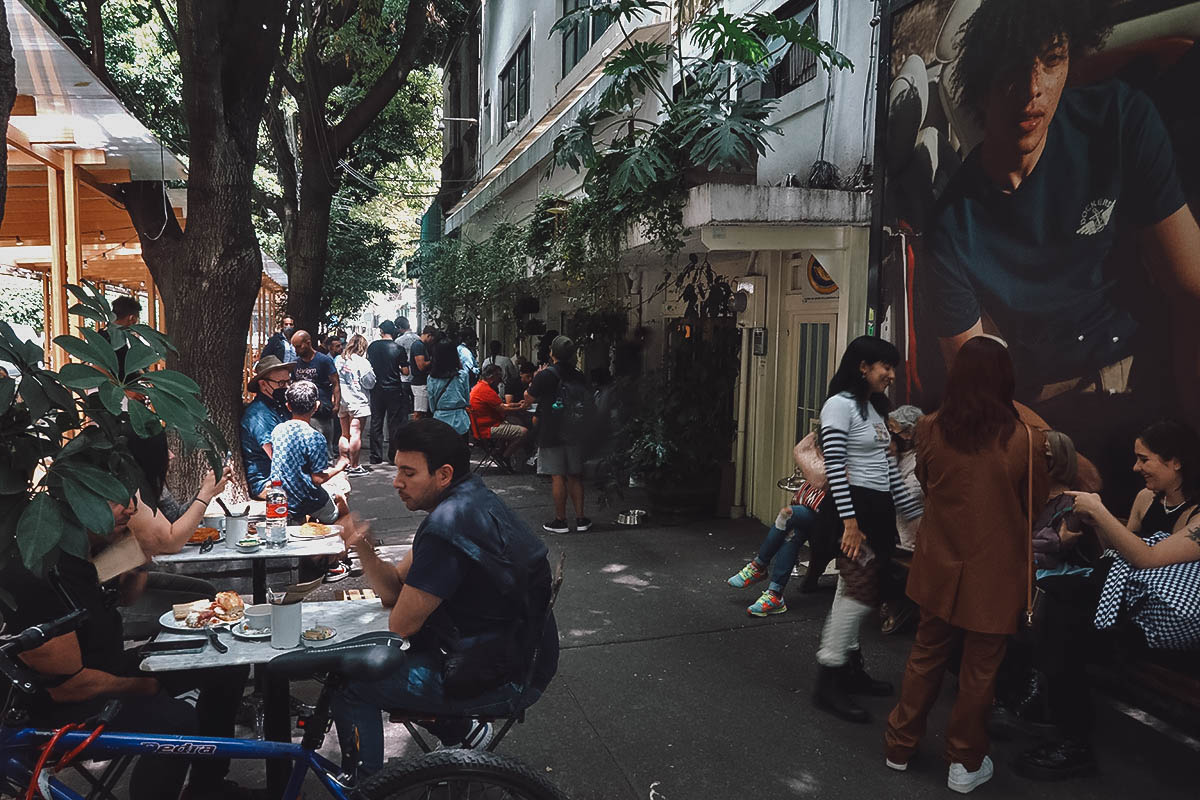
(667, 690)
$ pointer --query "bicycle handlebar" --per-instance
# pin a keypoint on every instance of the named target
(38, 635)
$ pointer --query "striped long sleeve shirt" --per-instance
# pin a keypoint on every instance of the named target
(857, 447)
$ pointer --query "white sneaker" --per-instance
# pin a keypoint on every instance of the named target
(961, 781)
(478, 738)
(893, 765)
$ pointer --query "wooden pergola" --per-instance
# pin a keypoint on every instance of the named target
(69, 140)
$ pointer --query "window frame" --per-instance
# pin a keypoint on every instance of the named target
(514, 89)
(579, 40)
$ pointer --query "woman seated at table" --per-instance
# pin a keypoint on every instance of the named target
(161, 530)
(1168, 511)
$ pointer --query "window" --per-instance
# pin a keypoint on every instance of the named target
(797, 67)
(583, 35)
(514, 89)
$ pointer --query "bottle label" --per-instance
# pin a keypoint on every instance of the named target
(277, 510)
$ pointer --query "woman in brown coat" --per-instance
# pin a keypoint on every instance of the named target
(970, 570)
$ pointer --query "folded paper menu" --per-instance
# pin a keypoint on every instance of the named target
(120, 556)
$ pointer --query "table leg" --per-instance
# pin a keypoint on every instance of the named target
(277, 724)
(258, 572)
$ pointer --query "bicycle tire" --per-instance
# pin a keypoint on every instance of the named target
(434, 775)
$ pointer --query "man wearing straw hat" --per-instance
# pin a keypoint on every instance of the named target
(268, 409)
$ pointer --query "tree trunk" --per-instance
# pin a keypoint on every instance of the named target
(307, 254)
(8, 94)
(210, 273)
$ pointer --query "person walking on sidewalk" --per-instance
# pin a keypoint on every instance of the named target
(391, 397)
(320, 370)
(562, 394)
(975, 461)
(357, 378)
(867, 491)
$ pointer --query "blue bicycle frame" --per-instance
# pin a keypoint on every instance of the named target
(20, 748)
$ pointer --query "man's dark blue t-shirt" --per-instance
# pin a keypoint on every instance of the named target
(1036, 260)
(320, 370)
(419, 376)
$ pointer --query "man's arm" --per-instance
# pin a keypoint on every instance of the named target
(950, 344)
(411, 610)
(1172, 249)
(336, 383)
(61, 656)
(326, 475)
(386, 579)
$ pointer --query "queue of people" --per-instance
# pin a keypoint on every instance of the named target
(996, 511)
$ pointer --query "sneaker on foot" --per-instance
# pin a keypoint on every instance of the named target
(338, 572)
(359, 470)
(556, 526)
(962, 781)
(583, 524)
(899, 766)
(770, 603)
(478, 738)
(749, 574)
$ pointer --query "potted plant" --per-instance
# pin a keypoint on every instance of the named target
(63, 434)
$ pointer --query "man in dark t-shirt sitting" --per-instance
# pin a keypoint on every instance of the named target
(472, 596)
(1040, 236)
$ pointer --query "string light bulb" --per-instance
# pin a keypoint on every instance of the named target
(102, 236)
(19, 242)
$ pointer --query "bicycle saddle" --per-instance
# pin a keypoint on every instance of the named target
(370, 656)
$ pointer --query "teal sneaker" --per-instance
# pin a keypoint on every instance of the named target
(770, 603)
(749, 574)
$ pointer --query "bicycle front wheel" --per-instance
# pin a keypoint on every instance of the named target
(459, 775)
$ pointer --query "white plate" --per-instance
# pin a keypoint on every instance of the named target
(238, 629)
(294, 533)
(168, 621)
(219, 539)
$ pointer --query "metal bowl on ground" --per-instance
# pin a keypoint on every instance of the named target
(634, 516)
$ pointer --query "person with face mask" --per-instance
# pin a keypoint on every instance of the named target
(266, 410)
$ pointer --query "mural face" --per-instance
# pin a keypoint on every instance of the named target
(1042, 165)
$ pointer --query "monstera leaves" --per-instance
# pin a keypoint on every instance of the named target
(64, 435)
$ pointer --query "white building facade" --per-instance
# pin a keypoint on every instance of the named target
(802, 253)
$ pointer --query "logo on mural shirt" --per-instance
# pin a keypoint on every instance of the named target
(1095, 216)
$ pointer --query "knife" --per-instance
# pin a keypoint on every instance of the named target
(217, 644)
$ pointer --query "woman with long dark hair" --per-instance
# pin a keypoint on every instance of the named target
(1167, 511)
(969, 574)
(865, 492)
(449, 387)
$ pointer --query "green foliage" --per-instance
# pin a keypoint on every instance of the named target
(63, 435)
(461, 279)
(362, 261)
(635, 165)
(22, 307)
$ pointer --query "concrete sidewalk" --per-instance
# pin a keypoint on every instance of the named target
(667, 690)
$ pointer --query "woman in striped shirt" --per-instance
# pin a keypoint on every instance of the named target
(865, 494)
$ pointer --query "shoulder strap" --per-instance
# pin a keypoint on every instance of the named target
(1029, 526)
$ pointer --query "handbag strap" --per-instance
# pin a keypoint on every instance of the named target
(1029, 526)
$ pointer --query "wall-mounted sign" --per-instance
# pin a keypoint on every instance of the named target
(819, 279)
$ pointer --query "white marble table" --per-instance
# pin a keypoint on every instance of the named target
(295, 548)
(348, 617)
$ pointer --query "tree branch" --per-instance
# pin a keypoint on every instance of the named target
(388, 84)
(342, 14)
(166, 21)
(92, 12)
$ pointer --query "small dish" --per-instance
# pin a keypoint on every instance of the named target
(317, 636)
(249, 544)
(240, 631)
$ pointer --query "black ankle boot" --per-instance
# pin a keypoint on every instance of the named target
(817, 563)
(830, 696)
(855, 679)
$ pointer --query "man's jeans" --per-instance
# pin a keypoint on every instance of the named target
(781, 548)
(396, 406)
(358, 705)
(330, 428)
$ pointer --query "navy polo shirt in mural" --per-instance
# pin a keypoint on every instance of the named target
(1036, 260)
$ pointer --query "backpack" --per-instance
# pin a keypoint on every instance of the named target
(571, 411)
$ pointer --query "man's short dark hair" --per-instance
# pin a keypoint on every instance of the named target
(494, 347)
(491, 371)
(438, 442)
(387, 328)
(331, 339)
(1004, 37)
(302, 397)
(430, 331)
(526, 368)
(402, 324)
(126, 306)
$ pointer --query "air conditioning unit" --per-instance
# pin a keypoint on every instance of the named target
(750, 297)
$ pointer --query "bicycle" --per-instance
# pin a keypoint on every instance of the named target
(29, 757)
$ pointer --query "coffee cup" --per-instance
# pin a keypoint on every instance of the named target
(285, 626)
(236, 529)
(214, 521)
(258, 617)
